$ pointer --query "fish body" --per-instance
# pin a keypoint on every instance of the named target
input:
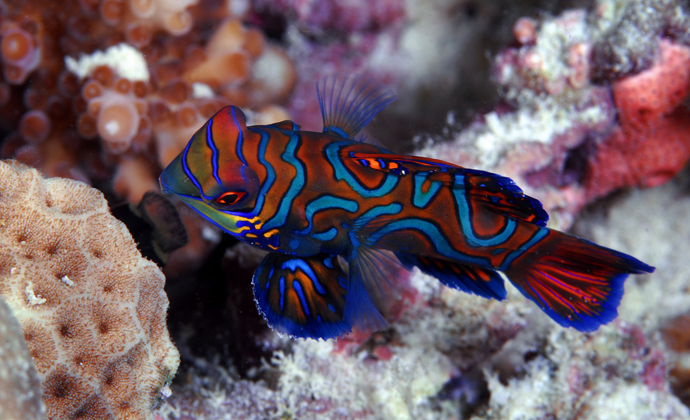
(311, 197)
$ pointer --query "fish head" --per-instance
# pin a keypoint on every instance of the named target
(212, 176)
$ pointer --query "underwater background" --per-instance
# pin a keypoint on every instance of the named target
(116, 302)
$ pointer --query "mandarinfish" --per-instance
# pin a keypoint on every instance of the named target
(310, 197)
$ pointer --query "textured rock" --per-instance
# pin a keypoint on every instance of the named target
(92, 309)
(20, 388)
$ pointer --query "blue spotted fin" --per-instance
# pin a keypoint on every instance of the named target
(302, 296)
(348, 103)
(479, 281)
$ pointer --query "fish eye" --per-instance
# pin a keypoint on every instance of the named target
(229, 198)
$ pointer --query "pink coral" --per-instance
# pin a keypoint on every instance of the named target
(651, 145)
(644, 99)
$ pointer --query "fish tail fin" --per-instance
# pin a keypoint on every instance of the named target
(576, 282)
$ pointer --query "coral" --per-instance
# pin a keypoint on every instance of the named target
(645, 98)
(651, 145)
(139, 76)
(116, 112)
(567, 140)
(92, 310)
(20, 53)
(20, 388)
(676, 334)
(629, 34)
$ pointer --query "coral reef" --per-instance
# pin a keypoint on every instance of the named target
(109, 93)
(555, 128)
(131, 74)
(93, 311)
(590, 101)
(20, 395)
(575, 124)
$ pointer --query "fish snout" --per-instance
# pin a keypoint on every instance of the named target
(164, 182)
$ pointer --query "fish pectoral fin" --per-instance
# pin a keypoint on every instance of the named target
(349, 102)
(482, 282)
(286, 125)
(372, 286)
(302, 296)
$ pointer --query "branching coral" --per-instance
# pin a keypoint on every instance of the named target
(92, 310)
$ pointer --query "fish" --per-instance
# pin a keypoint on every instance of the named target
(340, 216)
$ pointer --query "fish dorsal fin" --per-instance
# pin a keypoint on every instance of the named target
(483, 190)
(286, 125)
(348, 103)
(302, 296)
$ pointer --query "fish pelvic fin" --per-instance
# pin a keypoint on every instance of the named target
(349, 102)
(576, 282)
(302, 297)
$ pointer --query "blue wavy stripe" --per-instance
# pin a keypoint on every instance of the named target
(300, 293)
(281, 288)
(324, 203)
(538, 236)
(293, 265)
(189, 173)
(296, 185)
(393, 208)
(270, 172)
(434, 234)
(240, 137)
(420, 198)
(341, 173)
(212, 145)
(326, 236)
(466, 222)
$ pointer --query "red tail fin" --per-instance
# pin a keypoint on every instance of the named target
(576, 282)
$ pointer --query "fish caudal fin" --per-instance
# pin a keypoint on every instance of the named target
(576, 282)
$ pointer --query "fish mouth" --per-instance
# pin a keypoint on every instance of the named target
(164, 188)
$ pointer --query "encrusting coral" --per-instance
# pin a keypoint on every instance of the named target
(92, 310)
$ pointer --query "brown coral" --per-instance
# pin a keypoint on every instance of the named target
(92, 309)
